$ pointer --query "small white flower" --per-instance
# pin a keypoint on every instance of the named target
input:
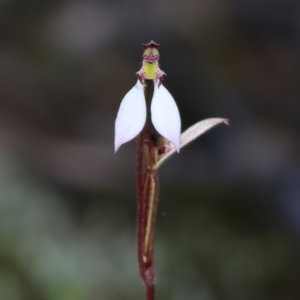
(131, 116)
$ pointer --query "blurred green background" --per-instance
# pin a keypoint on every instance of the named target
(228, 224)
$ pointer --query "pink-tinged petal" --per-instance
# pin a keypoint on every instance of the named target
(131, 116)
(165, 115)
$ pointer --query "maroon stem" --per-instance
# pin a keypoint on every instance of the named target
(150, 292)
(147, 192)
(140, 202)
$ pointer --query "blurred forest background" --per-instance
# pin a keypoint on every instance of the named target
(228, 224)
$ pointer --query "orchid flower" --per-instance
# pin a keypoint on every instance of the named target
(132, 114)
(153, 149)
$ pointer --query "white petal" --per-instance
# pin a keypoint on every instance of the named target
(131, 116)
(192, 133)
(165, 115)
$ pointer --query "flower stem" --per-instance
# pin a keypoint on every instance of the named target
(140, 202)
(147, 194)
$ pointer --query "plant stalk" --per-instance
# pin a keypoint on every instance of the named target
(147, 194)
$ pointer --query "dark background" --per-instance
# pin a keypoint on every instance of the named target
(228, 224)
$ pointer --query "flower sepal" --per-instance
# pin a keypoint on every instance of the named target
(131, 116)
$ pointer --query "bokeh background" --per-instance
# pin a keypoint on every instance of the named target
(228, 224)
